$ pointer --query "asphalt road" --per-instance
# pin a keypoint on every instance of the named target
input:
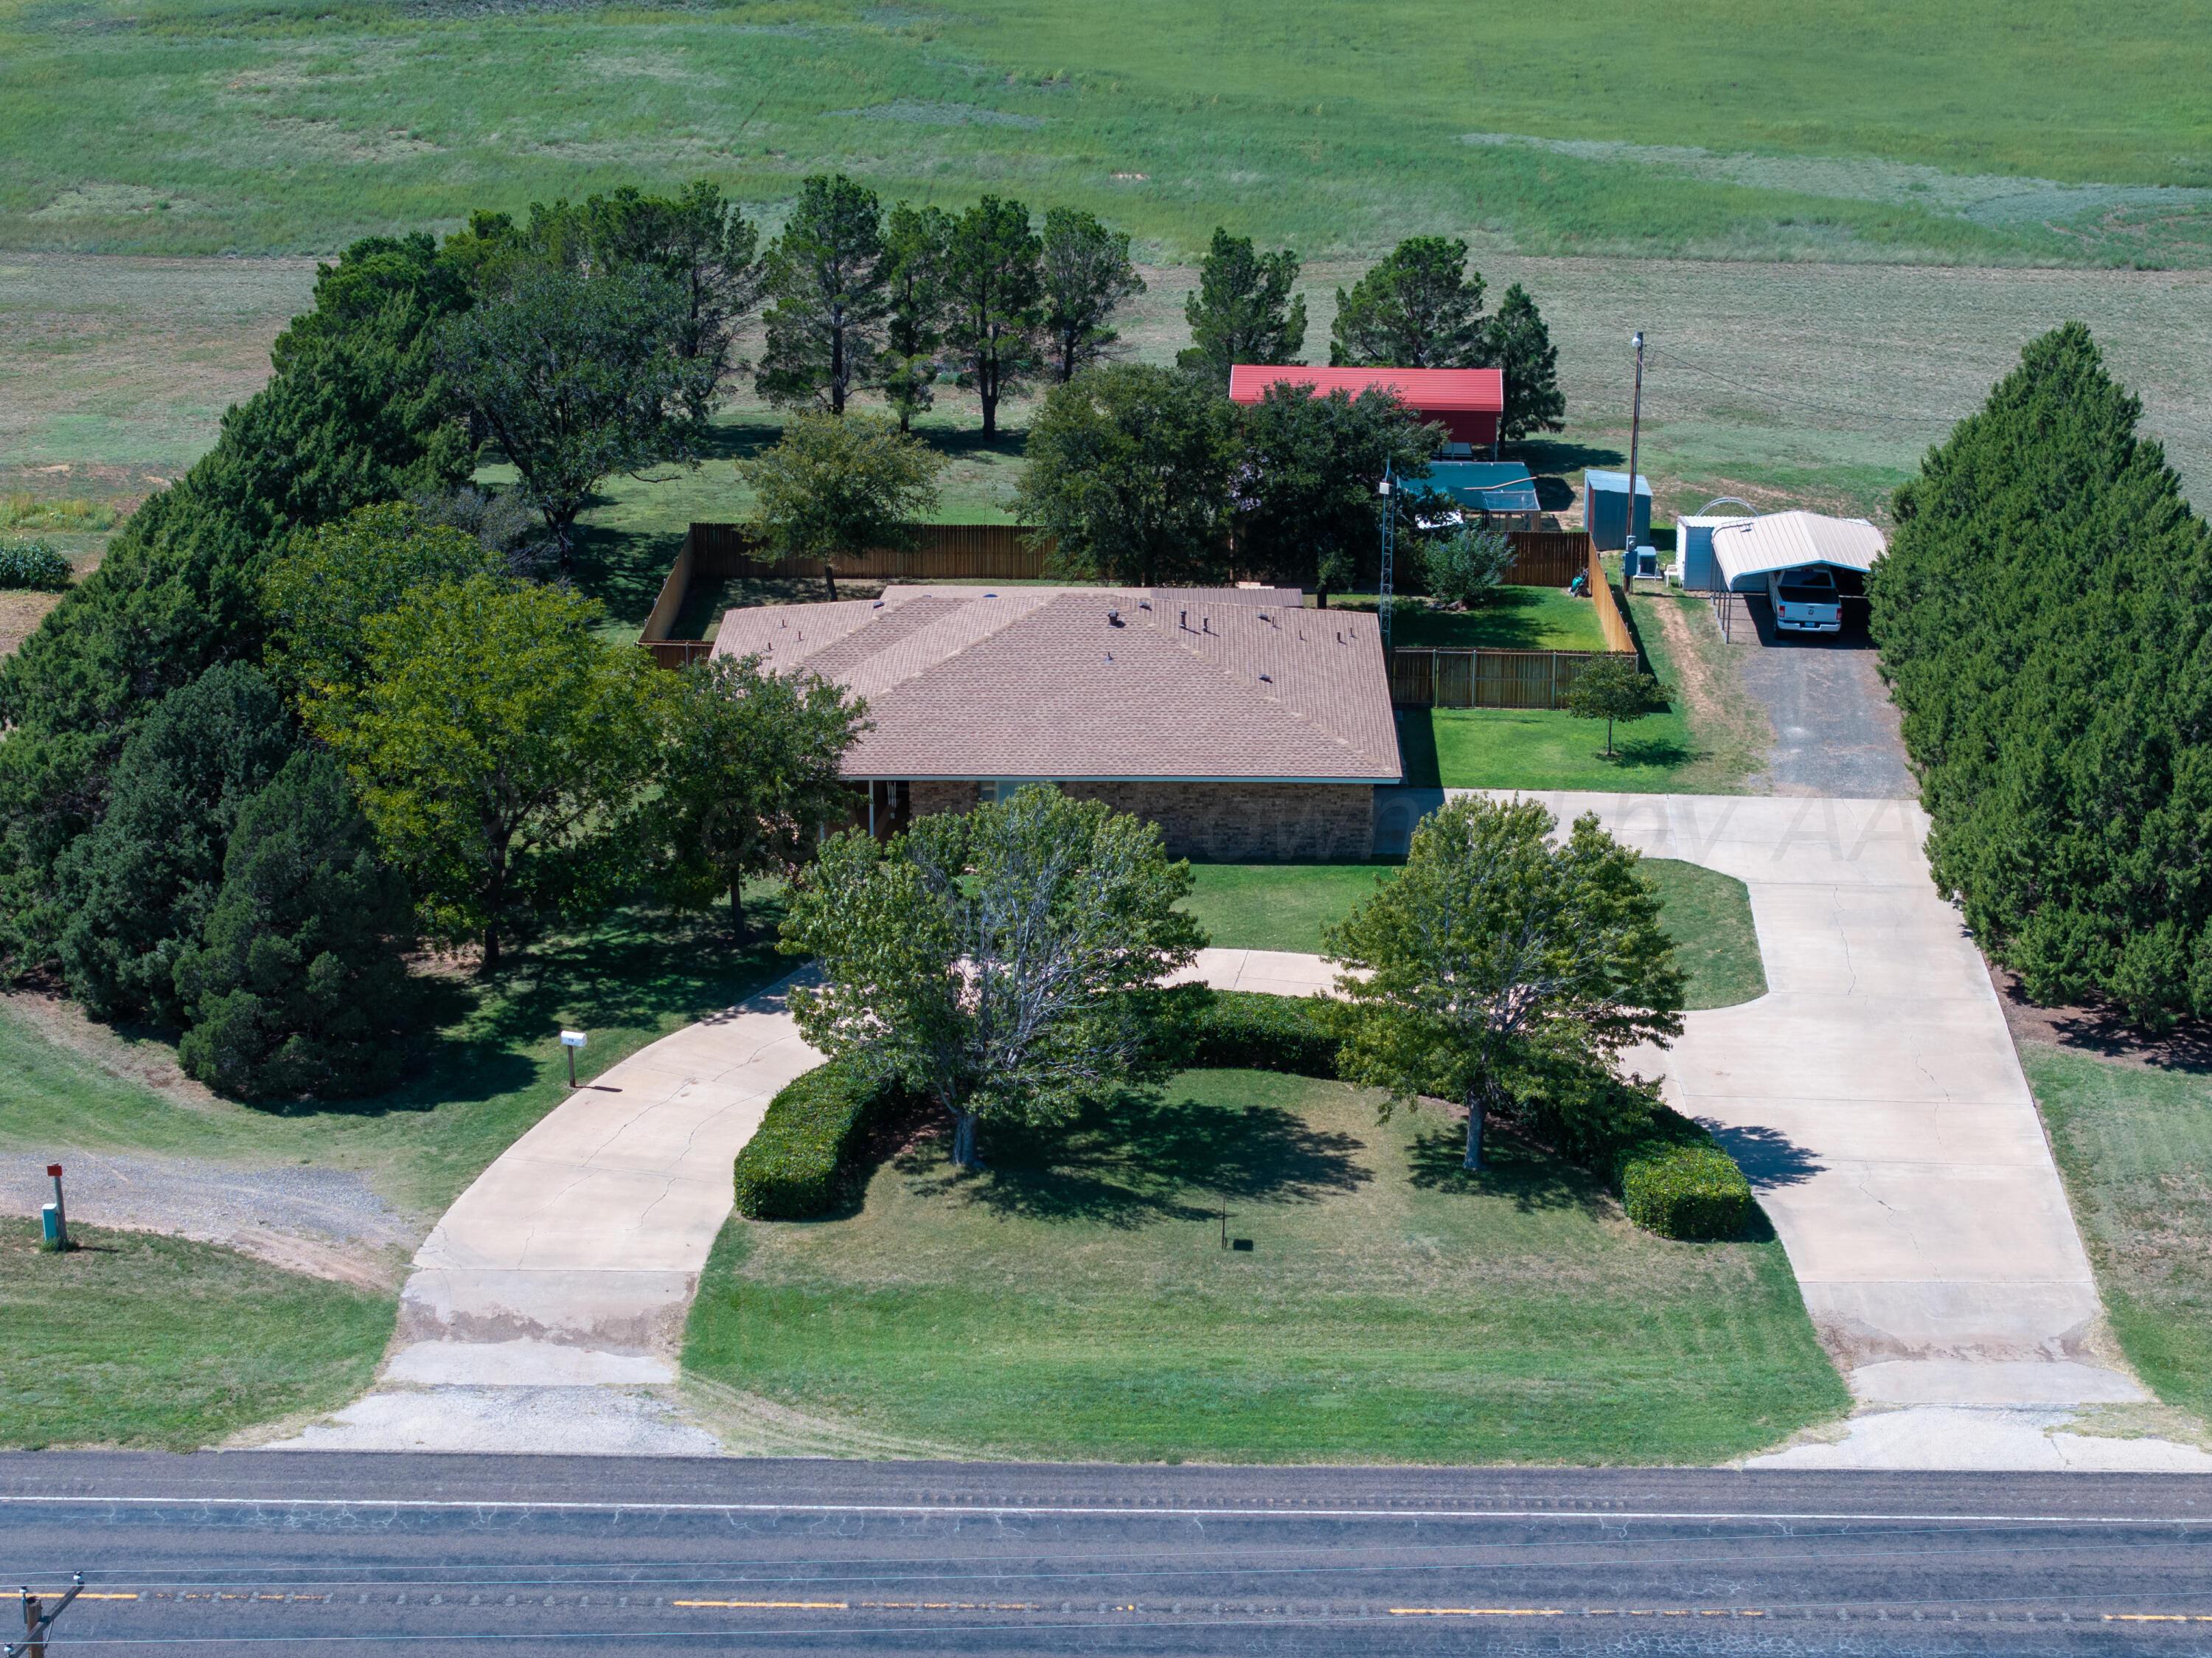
(255, 1552)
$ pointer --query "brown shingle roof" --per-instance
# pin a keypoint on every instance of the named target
(1214, 683)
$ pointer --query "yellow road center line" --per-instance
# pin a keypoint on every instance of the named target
(772, 1605)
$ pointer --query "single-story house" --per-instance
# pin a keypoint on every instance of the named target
(1501, 492)
(1249, 727)
(1468, 403)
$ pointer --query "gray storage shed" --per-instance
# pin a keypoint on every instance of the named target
(1605, 510)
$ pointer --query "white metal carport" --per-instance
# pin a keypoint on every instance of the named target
(1749, 549)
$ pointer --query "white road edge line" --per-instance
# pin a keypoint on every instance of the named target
(1102, 1511)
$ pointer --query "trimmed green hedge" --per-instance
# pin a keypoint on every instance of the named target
(33, 564)
(1253, 1030)
(1678, 1182)
(790, 1169)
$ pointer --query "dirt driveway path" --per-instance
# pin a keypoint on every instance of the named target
(1836, 731)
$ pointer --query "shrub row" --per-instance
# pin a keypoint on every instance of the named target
(1258, 1032)
(33, 564)
(1677, 1181)
(792, 1166)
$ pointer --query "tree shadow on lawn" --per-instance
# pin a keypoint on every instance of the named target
(1497, 624)
(1648, 751)
(634, 971)
(1525, 1175)
(1146, 1158)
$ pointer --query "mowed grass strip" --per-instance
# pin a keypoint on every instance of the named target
(2134, 1146)
(1513, 618)
(1285, 906)
(491, 1070)
(1075, 1301)
(137, 1339)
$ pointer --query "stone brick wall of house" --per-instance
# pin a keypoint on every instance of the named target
(1250, 822)
(1233, 822)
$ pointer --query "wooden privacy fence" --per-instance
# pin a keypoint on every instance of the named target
(1548, 559)
(1423, 678)
(941, 552)
(1611, 621)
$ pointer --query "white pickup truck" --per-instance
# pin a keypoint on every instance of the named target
(1805, 599)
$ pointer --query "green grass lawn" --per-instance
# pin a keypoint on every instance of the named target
(2134, 1146)
(1283, 906)
(1517, 619)
(141, 1340)
(490, 1072)
(1543, 748)
(1075, 1301)
(290, 125)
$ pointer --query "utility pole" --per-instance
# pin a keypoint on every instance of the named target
(37, 1622)
(1390, 489)
(1635, 425)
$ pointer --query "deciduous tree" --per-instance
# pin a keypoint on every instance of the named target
(1129, 469)
(1088, 278)
(831, 485)
(1242, 310)
(1420, 308)
(1467, 565)
(1307, 510)
(499, 747)
(829, 283)
(1613, 688)
(750, 780)
(1004, 962)
(1497, 960)
(578, 378)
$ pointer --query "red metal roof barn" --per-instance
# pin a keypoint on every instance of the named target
(1468, 403)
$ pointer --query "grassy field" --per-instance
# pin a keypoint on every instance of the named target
(2040, 132)
(1075, 1301)
(1791, 385)
(2136, 1147)
(169, 1345)
(494, 1068)
(1275, 906)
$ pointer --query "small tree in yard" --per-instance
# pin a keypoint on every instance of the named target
(1614, 688)
(1498, 961)
(1467, 565)
(841, 483)
(1004, 962)
(749, 781)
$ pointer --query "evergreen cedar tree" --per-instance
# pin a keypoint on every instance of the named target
(1420, 308)
(918, 240)
(1088, 277)
(1613, 688)
(1003, 963)
(1242, 310)
(1520, 344)
(833, 484)
(1509, 975)
(2044, 617)
(298, 986)
(139, 886)
(828, 287)
(1129, 469)
(993, 291)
